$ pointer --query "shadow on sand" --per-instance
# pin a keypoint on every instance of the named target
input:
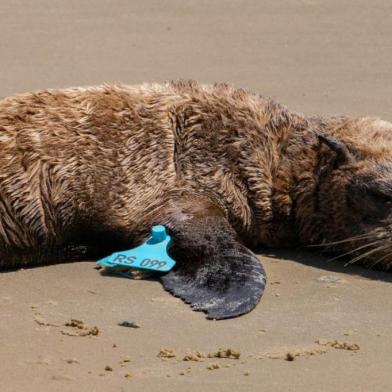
(300, 255)
(317, 260)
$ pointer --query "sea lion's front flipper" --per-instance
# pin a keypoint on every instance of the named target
(214, 273)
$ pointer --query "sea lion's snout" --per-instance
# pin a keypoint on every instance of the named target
(361, 228)
(370, 199)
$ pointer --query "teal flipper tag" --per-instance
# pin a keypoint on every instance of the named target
(152, 255)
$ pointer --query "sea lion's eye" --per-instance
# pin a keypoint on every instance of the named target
(379, 196)
(369, 204)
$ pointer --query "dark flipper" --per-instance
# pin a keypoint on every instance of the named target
(214, 273)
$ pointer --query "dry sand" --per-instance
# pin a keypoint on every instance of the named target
(328, 57)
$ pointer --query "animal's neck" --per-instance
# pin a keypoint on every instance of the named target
(296, 185)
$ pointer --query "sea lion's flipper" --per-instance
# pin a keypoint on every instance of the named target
(214, 273)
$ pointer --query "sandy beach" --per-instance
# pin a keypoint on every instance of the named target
(320, 326)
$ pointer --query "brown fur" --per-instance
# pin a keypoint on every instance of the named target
(81, 164)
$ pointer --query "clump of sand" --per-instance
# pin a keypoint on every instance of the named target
(195, 356)
(213, 366)
(293, 353)
(198, 356)
(125, 360)
(166, 353)
(227, 353)
(79, 328)
(339, 345)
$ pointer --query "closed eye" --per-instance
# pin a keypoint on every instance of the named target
(378, 195)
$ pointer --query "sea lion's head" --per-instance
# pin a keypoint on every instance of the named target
(353, 196)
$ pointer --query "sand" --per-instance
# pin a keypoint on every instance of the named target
(326, 57)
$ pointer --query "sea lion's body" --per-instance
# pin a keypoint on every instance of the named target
(95, 168)
(106, 156)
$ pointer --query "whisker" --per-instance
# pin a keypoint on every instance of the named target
(355, 250)
(360, 257)
(381, 259)
(389, 264)
(355, 238)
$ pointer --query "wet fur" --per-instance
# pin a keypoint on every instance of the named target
(84, 171)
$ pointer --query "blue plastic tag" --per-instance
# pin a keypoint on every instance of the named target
(152, 255)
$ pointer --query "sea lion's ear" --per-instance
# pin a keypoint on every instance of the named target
(214, 273)
(343, 155)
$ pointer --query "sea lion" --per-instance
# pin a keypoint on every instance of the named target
(87, 171)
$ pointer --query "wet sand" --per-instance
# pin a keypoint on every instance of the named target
(314, 56)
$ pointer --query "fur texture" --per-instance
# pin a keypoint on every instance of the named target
(94, 168)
